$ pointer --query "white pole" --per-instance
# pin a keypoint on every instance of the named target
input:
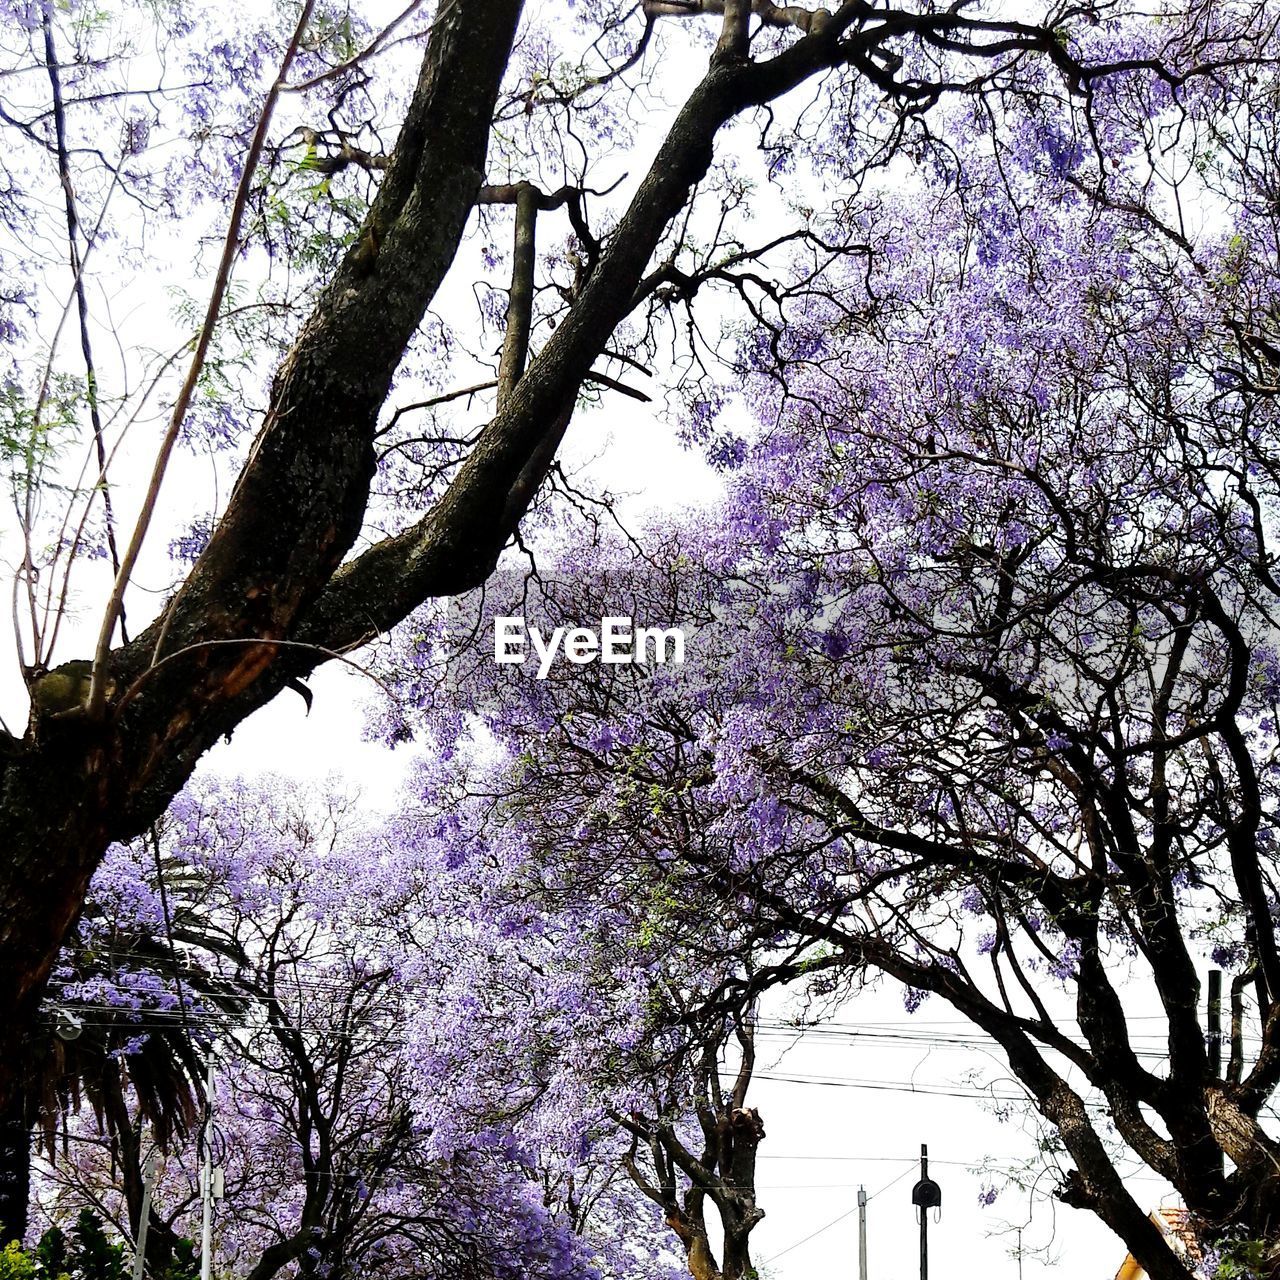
(144, 1216)
(206, 1186)
(862, 1234)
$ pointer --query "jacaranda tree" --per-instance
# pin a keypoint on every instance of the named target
(410, 1078)
(341, 197)
(981, 678)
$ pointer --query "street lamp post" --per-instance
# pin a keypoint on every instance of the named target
(925, 1195)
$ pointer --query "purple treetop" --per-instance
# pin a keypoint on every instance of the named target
(342, 217)
(981, 682)
(411, 1074)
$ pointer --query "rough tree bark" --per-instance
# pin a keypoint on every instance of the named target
(74, 784)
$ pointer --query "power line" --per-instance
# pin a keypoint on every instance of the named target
(888, 1086)
(813, 1235)
(912, 1023)
(160, 1018)
(961, 1164)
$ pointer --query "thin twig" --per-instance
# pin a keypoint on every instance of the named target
(374, 46)
(74, 545)
(82, 302)
(438, 400)
(26, 512)
(333, 654)
(98, 684)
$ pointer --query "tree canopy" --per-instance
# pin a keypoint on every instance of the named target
(974, 312)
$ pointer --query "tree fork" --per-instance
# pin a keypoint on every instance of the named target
(74, 784)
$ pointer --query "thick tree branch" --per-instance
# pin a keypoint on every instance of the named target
(515, 346)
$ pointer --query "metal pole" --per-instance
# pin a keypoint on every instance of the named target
(862, 1234)
(144, 1216)
(924, 1216)
(206, 1186)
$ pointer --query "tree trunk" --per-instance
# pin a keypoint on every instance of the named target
(737, 1258)
(1257, 1162)
(700, 1260)
(15, 1170)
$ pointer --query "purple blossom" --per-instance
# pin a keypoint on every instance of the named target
(1065, 967)
(187, 547)
(913, 998)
